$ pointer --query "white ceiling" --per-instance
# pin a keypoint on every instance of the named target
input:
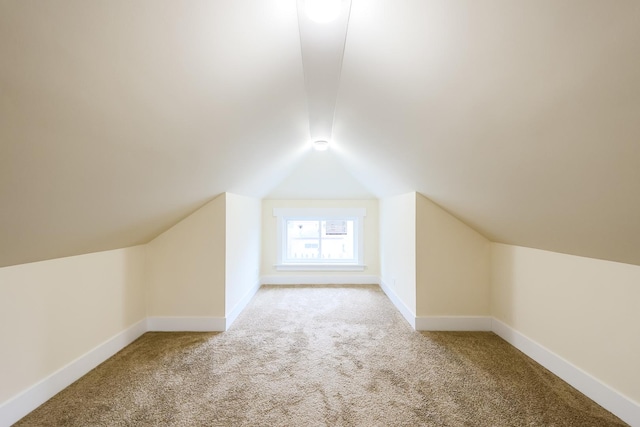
(118, 117)
(320, 175)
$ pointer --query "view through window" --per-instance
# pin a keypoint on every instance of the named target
(320, 239)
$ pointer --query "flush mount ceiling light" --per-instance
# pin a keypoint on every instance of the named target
(323, 11)
(320, 145)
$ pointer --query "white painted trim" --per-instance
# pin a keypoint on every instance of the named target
(320, 267)
(321, 212)
(241, 305)
(355, 214)
(453, 323)
(403, 309)
(20, 405)
(320, 279)
(184, 324)
(615, 402)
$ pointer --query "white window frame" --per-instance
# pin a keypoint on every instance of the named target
(318, 214)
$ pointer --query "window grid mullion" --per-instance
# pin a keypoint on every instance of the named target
(321, 244)
(319, 239)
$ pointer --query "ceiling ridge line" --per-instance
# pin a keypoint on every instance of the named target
(344, 48)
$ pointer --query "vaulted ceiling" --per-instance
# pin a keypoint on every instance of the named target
(118, 117)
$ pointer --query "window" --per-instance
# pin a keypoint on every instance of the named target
(320, 239)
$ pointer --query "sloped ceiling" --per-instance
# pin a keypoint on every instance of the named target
(118, 118)
(320, 175)
(520, 118)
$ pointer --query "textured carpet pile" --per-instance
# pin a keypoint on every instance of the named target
(320, 356)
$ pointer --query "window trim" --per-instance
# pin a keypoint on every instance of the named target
(356, 214)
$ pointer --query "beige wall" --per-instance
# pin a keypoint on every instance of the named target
(585, 310)
(582, 309)
(52, 312)
(452, 264)
(243, 224)
(398, 247)
(186, 265)
(270, 242)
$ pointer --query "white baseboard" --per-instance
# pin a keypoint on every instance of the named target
(453, 323)
(323, 279)
(613, 401)
(184, 324)
(22, 404)
(403, 309)
(17, 407)
(241, 305)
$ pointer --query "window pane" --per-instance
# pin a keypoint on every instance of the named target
(338, 240)
(303, 240)
(323, 237)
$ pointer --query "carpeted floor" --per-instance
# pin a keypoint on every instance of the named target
(320, 356)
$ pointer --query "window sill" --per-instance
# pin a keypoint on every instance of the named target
(320, 267)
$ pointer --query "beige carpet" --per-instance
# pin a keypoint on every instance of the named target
(320, 356)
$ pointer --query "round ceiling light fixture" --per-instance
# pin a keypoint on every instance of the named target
(323, 11)
(320, 145)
